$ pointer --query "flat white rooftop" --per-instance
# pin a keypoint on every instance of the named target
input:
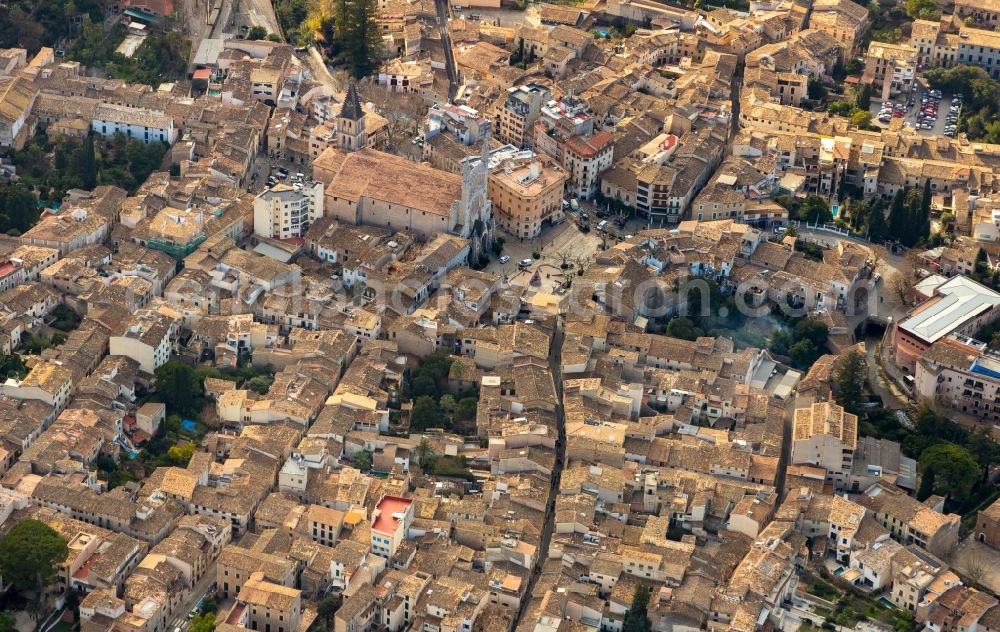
(955, 302)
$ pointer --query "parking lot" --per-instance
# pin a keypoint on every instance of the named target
(912, 113)
(556, 244)
(506, 17)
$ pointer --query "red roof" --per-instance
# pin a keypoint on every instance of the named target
(588, 148)
(83, 571)
(202, 73)
(389, 505)
(236, 613)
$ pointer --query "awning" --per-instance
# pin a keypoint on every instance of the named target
(139, 14)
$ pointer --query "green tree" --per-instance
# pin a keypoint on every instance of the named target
(422, 385)
(292, 16)
(898, 215)
(85, 164)
(181, 453)
(257, 33)
(30, 555)
(18, 209)
(436, 365)
(922, 9)
(861, 119)
(203, 623)
(12, 366)
(984, 450)
(448, 404)
(815, 89)
(72, 604)
(359, 35)
(7, 622)
(426, 414)
(926, 484)
(849, 378)
(840, 108)
(682, 328)
(815, 209)
(922, 213)
(955, 471)
(259, 384)
(178, 387)
(637, 617)
(813, 330)
(803, 353)
(362, 460)
(780, 342)
(424, 451)
(327, 608)
(209, 605)
(878, 229)
(862, 92)
(467, 407)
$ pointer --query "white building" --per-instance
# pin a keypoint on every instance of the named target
(963, 374)
(286, 211)
(149, 340)
(139, 123)
(48, 381)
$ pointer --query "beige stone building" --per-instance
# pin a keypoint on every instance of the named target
(890, 69)
(845, 20)
(823, 434)
(379, 189)
(526, 193)
(519, 113)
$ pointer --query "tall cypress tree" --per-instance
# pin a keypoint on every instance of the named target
(926, 485)
(924, 226)
(898, 215)
(637, 618)
(86, 165)
(877, 227)
(359, 35)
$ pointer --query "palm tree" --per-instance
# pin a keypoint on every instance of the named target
(424, 451)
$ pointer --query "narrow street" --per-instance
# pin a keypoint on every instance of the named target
(314, 59)
(197, 592)
(443, 13)
(890, 396)
(734, 91)
(786, 448)
(555, 360)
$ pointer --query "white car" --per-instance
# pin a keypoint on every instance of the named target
(525, 263)
(504, 259)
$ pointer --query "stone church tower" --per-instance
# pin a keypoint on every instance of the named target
(351, 133)
(476, 209)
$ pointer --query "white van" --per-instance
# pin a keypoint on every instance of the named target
(574, 204)
(602, 225)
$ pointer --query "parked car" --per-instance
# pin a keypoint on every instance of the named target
(504, 259)
(525, 263)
